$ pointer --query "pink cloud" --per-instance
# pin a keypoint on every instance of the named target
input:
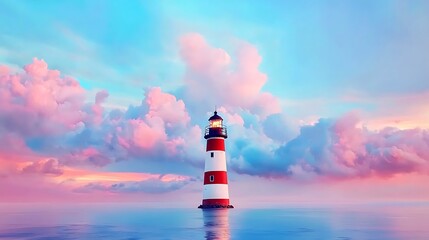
(12, 143)
(145, 136)
(200, 56)
(152, 185)
(39, 101)
(213, 78)
(161, 125)
(86, 156)
(339, 149)
(46, 166)
(230, 118)
(41, 105)
(97, 110)
(167, 107)
(101, 96)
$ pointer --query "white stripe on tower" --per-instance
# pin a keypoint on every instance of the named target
(215, 191)
(216, 163)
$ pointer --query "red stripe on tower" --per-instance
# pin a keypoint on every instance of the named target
(215, 177)
(215, 144)
(224, 202)
(215, 193)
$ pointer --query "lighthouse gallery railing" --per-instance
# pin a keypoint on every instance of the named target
(216, 131)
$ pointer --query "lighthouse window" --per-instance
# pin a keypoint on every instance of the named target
(212, 154)
(211, 178)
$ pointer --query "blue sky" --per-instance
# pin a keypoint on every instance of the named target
(311, 50)
(320, 45)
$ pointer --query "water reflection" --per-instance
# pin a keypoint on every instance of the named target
(216, 224)
(127, 221)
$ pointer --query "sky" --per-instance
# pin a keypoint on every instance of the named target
(325, 101)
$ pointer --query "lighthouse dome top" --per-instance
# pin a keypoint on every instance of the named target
(215, 127)
(215, 117)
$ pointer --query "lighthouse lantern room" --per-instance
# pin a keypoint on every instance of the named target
(215, 193)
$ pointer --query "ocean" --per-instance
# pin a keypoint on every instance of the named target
(133, 221)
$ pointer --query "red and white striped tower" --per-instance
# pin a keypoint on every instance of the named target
(215, 194)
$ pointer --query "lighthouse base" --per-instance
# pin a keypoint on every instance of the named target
(215, 203)
(215, 206)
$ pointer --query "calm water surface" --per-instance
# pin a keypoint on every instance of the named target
(131, 221)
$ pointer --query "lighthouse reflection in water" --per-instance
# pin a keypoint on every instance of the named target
(216, 224)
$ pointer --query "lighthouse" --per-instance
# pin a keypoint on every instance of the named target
(215, 193)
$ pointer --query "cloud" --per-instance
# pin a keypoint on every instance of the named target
(159, 128)
(86, 156)
(338, 148)
(153, 185)
(39, 101)
(278, 127)
(165, 106)
(47, 113)
(94, 112)
(101, 96)
(214, 78)
(46, 166)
